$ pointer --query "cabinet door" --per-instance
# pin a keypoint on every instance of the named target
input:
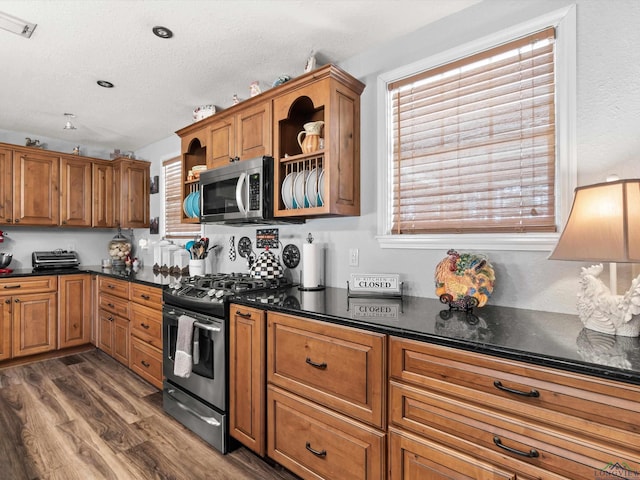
(36, 196)
(121, 340)
(5, 328)
(34, 323)
(135, 195)
(253, 131)
(74, 315)
(6, 185)
(103, 195)
(247, 390)
(105, 331)
(75, 192)
(222, 146)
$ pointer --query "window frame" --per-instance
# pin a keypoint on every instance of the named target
(564, 20)
(197, 228)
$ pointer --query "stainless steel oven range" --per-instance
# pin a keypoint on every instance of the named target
(200, 401)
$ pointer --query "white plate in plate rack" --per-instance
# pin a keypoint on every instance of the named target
(321, 188)
(299, 199)
(311, 190)
(287, 190)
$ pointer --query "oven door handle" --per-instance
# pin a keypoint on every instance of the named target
(239, 200)
(209, 420)
(209, 328)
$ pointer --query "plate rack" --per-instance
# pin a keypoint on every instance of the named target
(291, 167)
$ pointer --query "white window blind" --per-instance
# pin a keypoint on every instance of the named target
(173, 228)
(473, 142)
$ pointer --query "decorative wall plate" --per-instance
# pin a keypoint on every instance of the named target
(291, 256)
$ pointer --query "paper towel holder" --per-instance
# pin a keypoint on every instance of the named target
(301, 285)
(309, 289)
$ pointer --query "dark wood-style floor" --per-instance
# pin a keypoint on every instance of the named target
(87, 417)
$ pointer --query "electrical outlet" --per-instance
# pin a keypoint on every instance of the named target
(354, 257)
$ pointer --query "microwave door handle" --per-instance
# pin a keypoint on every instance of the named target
(239, 200)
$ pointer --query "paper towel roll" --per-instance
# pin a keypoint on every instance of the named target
(312, 265)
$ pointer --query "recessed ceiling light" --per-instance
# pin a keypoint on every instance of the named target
(162, 32)
(105, 84)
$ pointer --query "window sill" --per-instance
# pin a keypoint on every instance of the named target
(509, 242)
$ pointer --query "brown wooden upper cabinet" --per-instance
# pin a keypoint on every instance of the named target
(269, 124)
(326, 180)
(36, 183)
(6, 185)
(244, 135)
(75, 192)
(103, 194)
(46, 188)
(132, 192)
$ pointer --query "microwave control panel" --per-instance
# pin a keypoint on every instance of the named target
(254, 191)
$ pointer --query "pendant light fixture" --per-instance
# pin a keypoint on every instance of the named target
(69, 125)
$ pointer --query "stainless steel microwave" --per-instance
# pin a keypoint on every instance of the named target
(241, 192)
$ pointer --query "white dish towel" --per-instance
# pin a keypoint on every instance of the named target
(183, 360)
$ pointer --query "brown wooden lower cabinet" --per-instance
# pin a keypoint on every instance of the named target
(146, 361)
(317, 443)
(34, 323)
(113, 336)
(74, 310)
(5, 327)
(247, 382)
(412, 457)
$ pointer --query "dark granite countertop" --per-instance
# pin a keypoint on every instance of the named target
(543, 338)
(143, 275)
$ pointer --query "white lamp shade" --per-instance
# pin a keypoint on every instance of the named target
(604, 224)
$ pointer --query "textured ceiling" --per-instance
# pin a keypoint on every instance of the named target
(219, 47)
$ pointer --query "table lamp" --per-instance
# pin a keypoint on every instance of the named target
(604, 226)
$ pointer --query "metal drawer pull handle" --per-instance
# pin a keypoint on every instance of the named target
(533, 393)
(110, 305)
(321, 366)
(145, 326)
(317, 453)
(145, 297)
(12, 286)
(245, 315)
(533, 453)
(209, 328)
(209, 420)
(111, 286)
(145, 364)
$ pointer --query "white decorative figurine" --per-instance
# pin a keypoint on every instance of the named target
(604, 312)
(254, 89)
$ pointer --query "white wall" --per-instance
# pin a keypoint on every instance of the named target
(608, 118)
(607, 132)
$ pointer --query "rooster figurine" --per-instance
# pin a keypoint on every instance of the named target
(604, 312)
(464, 280)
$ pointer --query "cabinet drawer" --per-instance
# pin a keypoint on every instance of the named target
(582, 405)
(146, 361)
(413, 457)
(145, 295)
(492, 434)
(316, 443)
(339, 367)
(22, 285)
(146, 324)
(116, 305)
(120, 288)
